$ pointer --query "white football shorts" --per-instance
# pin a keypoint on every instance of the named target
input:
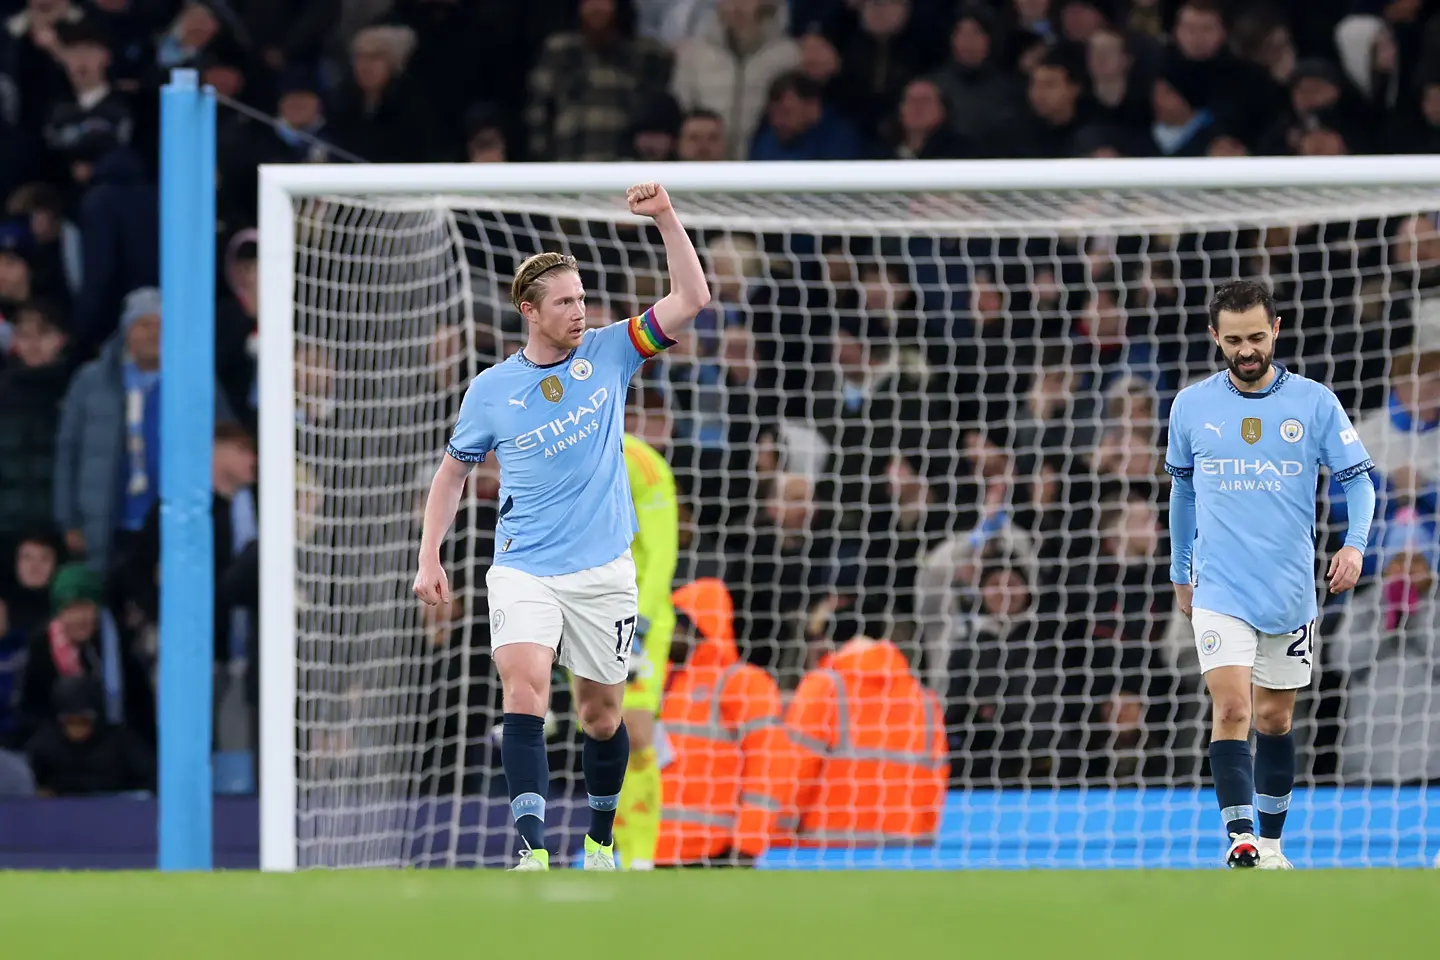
(1278, 661)
(588, 618)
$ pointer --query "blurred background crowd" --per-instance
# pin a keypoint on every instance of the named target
(954, 443)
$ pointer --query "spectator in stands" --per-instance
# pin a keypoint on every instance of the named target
(1184, 126)
(890, 48)
(55, 263)
(775, 562)
(1416, 129)
(286, 32)
(81, 751)
(36, 557)
(30, 54)
(987, 350)
(1000, 679)
(485, 138)
(864, 718)
(107, 469)
(730, 64)
(587, 81)
(130, 27)
(234, 521)
(1119, 610)
(301, 110)
(1370, 60)
(702, 137)
(1118, 94)
(1060, 414)
(14, 644)
(950, 576)
(1415, 260)
(16, 249)
(799, 126)
(119, 225)
(244, 145)
(200, 26)
(1260, 36)
(237, 331)
(92, 104)
(1390, 641)
(20, 150)
(1130, 443)
(1241, 94)
(1403, 437)
(983, 98)
(1055, 110)
(657, 127)
(379, 113)
(32, 385)
(819, 62)
(921, 127)
(1318, 96)
(1080, 20)
(83, 640)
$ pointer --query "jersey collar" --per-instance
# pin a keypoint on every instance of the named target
(526, 361)
(1281, 375)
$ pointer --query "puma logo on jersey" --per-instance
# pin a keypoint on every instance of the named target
(1211, 426)
(518, 403)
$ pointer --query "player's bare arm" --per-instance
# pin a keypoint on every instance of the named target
(689, 289)
(431, 584)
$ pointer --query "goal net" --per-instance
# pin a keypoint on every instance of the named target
(935, 418)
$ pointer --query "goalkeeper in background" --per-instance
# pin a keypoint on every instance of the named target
(656, 549)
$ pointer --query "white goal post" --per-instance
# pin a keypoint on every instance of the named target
(346, 249)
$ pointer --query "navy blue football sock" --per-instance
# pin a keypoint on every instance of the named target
(1274, 779)
(527, 774)
(604, 763)
(1234, 778)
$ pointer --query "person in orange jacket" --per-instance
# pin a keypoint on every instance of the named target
(733, 769)
(873, 752)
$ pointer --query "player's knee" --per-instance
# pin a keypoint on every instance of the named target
(599, 721)
(1273, 720)
(1232, 711)
(529, 695)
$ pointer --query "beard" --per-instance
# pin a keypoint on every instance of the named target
(1252, 374)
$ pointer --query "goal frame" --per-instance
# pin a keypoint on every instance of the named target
(282, 185)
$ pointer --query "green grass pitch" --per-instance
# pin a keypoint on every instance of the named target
(440, 915)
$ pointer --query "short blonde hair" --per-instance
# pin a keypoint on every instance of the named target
(530, 277)
(395, 43)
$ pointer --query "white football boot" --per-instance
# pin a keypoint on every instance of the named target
(1244, 852)
(599, 856)
(1272, 859)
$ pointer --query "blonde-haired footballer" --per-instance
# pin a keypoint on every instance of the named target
(563, 579)
(657, 552)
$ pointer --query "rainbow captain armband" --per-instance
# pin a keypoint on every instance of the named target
(646, 335)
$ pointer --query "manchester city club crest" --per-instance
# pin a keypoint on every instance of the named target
(581, 369)
(497, 620)
(1250, 429)
(552, 389)
(1210, 642)
(1292, 430)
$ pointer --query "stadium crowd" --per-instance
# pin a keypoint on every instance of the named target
(953, 443)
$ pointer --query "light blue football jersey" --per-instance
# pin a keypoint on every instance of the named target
(1254, 459)
(559, 432)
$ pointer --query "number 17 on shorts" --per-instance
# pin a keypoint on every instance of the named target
(1278, 661)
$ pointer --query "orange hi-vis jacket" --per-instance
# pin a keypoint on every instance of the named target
(733, 771)
(874, 762)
